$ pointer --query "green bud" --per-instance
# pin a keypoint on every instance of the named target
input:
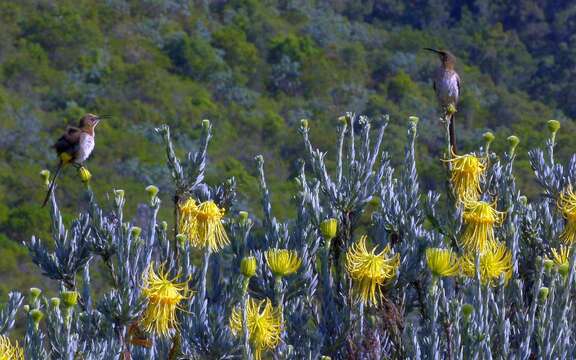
(55, 303)
(36, 316)
(374, 201)
(152, 191)
(543, 294)
(413, 120)
(513, 141)
(488, 137)
(26, 308)
(329, 228)
(553, 126)
(164, 225)
(324, 357)
(523, 200)
(119, 196)
(548, 265)
(467, 310)
(34, 294)
(248, 266)
(69, 298)
(304, 123)
(343, 120)
(242, 217)
(135, 231)
(205, 123)
(564, 269)
(45, 174)
(181, 239)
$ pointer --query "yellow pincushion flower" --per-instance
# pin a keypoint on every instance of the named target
(442, 262)
(479, 218)
(163, 295)
(467, 170)
(9, 351)
(264, 324)
(562, 256)
(567, 204)
(496, 261)
(370, 270)
(282, 262)
(202, 224)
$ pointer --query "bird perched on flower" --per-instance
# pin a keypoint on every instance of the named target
(9, 351)
(282, 262)
(74, 147)
(202, 223)
(567, 204)
(442, 262)
(465, 176)
(369, 270)
(496, 262)
(264, 324)
(447, 86)
(479, 218)
(164, 296)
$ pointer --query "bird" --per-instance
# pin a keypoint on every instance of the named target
(74, 147)
(447, 86)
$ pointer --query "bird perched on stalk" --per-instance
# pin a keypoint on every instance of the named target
(447, 86)
(74, 147)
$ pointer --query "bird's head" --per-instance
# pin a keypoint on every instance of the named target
(445, 56)
(89, 121)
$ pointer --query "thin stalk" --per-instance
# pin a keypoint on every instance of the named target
(246, 354)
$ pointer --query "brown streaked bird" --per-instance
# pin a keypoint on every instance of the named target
(447, 86)
(74, 147)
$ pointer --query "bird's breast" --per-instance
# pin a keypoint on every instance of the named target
(86, 147)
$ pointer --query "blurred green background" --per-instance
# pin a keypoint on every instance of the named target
(255, 68)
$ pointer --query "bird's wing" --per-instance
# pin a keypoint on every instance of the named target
(69, 142)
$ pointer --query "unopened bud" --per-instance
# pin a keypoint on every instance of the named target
(181, 239)
(69, 298)
(513, 141)
(34, 294)
(54, 303)
(119, 196)
(564, 269)
(343, 120)
(304, 123)
(135, 231)
(488, 137)
(26, 308)
(543, 294)
(36, 316)
(523, 200)
(85, 175)
(548, 265)
(248, 266)
(164, 225)
(329, 228)
(553, 126)
(45, 174)
(242, 217)
(205, 123)
(152, 191)
(467, 310)
(413, 120)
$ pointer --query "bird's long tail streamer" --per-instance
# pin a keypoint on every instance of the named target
(51, 187)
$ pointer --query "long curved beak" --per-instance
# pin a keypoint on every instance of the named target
(433, 50)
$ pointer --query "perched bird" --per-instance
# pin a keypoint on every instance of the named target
(447, 86)
(74, 147)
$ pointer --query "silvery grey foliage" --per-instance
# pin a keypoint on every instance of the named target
(530, 316)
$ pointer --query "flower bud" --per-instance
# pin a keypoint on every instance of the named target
(467, 310)
(548, 265)
(513, 141)
(205, 123)
(45, 174)
(181, 239)
(343, 120)
(451, 109)
(26, 308)
(523, 200)
(55, 303)
(152, 191)
(553, 126)
(85, 175)
(324, 357)
(119, 196)
(564, 269)
(248, 266)
(164, 225)
(413, 120)
(135, 231)
(34, 294)
(304, 123)
(36, 316)
(543, 294)
(329, 228)
(488, 137)
(69, 298)
(242, 217)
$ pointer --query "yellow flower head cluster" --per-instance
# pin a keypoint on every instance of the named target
(442, 262)
(264, 324)
(370, 270)
(467, 170)
(567, 204)
(479, 218)
(9, 351)
(561, 256)
(495, 262)
(202, 223)
(163, 295)
(282, 262)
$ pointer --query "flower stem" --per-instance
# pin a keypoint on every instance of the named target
(246, 355)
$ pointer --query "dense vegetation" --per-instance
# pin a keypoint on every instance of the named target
(255, 69)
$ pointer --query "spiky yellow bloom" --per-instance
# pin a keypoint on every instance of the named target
(282, 262)
(264, 324)
(467, 170)
(85, 175)
(163, 295)
(370, 270)
(495, 262)
(479, 218)
(9, 351)
(202, 224)
(567, 204)
(561, 256)
(442, 262)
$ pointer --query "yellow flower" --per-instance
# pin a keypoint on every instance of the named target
(442, 262)
(466, 173)
(248, 266)
(562, 256)
(567, 204)
(85, 175)
(163, 297)
(496, 261)
(264, 324)
(202, 224)
(480, 218)
(370, 270)
(9, 351)
(282, 262)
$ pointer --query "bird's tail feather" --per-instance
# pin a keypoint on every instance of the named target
(452, 130)
(51, 187)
